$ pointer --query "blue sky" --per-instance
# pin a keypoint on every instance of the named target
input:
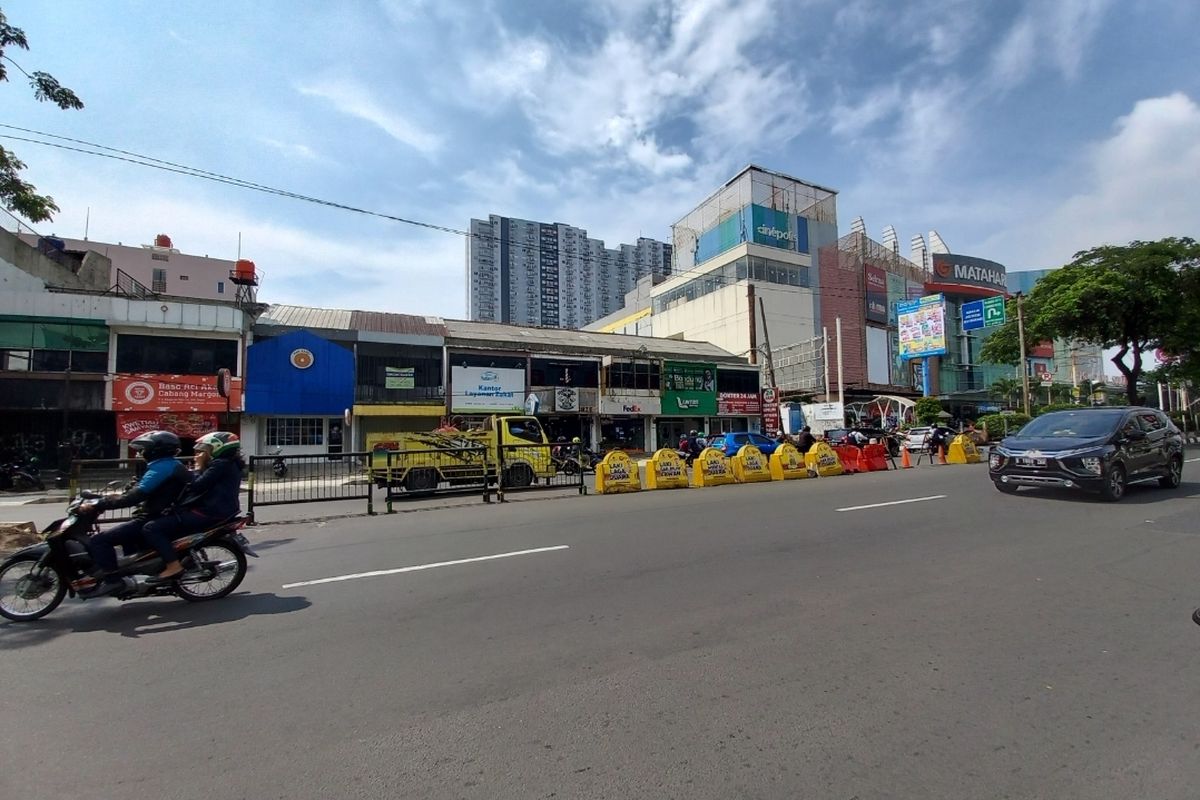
(1020, 131)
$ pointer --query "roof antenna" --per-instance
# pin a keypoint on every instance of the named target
(87, 221)
(239, 255)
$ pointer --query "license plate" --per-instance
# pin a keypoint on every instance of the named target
(1025, 461)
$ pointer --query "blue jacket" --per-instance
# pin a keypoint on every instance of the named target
(214, 492)
(156, 491)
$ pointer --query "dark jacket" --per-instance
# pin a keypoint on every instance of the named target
(804, 441)
(156, 491)
(214, 492)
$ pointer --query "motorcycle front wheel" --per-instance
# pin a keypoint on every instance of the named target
(211, 572)
(29, 591)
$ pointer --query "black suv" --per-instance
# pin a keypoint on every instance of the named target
(1096, 449)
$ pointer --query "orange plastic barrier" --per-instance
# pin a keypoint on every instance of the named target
(848, 454)
(873, 458)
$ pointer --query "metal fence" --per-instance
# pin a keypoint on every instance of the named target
(543, 466)
(286, 480)
(108, 474)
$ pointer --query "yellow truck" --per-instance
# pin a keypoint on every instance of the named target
(420, 462)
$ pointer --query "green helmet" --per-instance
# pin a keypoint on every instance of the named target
(219, 444)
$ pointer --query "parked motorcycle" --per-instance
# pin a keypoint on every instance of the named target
(572, 461)
(23, 477)
(279, 466)
(36, 579)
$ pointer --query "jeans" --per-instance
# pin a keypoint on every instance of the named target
(162, 532)
(103, 546)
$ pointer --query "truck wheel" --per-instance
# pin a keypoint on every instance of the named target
(421, 480)
(518, 476)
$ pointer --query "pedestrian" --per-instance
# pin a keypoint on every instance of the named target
(805, 440)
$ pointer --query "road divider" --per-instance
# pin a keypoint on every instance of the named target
(666, 470)
(617, 473)
(750, 465)
(963, 451)
(711, 468)
(822, 460)
(787, 463)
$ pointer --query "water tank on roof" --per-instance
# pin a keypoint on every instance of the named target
(243, 271)
(162, 240)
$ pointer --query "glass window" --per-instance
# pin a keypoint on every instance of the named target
(220, 287)
(14, 360)
(16, 334)
(1151, 422)
(295, 431)
(175, 355)
(51, 360)
(89, 362)
(526, 429)
(158, 281)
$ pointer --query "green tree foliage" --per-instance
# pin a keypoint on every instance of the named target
(1007, 389)
(1134, 298)
(1000, 425)
(16, 194)
(927, 410)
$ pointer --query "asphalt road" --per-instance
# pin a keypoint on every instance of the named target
(732, 642)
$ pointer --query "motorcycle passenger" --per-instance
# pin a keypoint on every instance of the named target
(211, 499)
(805, 440)
(158, 488)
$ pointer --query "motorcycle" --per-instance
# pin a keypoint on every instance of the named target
(36, 579)
(278, 466)
(571, 461)
(21, 477)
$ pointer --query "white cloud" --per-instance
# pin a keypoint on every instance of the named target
(1014, 58)
(355, 100)
(645, 152)
(291, 149)
(1058, 34)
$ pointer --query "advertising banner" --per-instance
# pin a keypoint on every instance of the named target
(629, 405)
(689, 389)
(173, 393)
(922, 327)
(186, 425)
(744, 404)
(876, 294)
(399, 377)
(487, 389)
(895, 294)
(772, 228)
(566, 400)
(969, 271)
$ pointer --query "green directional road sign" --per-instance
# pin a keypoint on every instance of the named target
(993, 312)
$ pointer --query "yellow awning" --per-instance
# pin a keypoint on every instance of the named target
(399, 410)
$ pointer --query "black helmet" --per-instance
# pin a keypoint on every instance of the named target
(156, 444)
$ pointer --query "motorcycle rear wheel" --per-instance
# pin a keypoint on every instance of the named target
(231, 571)
(27, 593)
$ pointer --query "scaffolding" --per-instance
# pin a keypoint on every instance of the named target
(800, 367)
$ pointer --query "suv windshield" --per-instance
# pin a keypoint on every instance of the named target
(1073, 424)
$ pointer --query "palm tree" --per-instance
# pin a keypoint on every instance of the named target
(1007, 389)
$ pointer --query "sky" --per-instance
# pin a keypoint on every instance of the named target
(1022, 131)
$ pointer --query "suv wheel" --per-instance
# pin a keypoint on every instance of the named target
(1174, 475)
(1114, 484)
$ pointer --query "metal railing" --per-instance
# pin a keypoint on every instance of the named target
(98, 475)
(453, 469)
(286, 480)
(543, 466)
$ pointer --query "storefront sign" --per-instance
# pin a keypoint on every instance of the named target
(487, 389)
(689, 389)
(969, 271)
(739, 404)
(566, 400)
(922, 327)
(173, 393)
(629, 405)
(302, 358)
(399, 377)
(131, 425)
(876, 295)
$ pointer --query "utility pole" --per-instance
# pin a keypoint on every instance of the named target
(1024, 361)
(753, 324)
(767, 340)
(825, 359)
(841, 385)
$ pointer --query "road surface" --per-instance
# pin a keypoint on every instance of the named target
(765, 641)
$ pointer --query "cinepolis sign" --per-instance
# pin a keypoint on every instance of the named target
(969, 271)
(771, 232)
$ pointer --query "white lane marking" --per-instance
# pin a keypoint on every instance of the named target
(1190, 460)
(893, 503)
(419, 567)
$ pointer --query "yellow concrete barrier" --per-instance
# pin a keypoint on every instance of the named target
(666, 470)
(963, 451)
(750, 465)
(711, 468)
(822, 460)
(787, 463)
(617, 473)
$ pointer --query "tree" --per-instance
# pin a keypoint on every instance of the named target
(15, 194)
(1006, 389)
(1129, 297)
(927, 410)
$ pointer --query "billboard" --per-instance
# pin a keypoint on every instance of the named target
(173, 393)
(895, 294)
(487, 389)
(689, 389)
(922, 327)
(876, 294)
(949, 268)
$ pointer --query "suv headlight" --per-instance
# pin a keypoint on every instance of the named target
(1091, 464)
(995, 460)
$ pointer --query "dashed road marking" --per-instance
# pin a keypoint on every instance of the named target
(419, 567)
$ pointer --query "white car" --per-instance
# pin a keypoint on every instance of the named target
(916, 438)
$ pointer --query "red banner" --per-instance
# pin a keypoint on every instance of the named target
(187, 425)
(745, 403)
(173, 393)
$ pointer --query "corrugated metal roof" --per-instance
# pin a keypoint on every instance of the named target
(328, 319)
(383, 322)
(497, 335)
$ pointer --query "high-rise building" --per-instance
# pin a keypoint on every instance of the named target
(552, 274)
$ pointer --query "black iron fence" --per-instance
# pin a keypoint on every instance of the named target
(543, 466)
(108, 475)
(274, 480)
(451, 469)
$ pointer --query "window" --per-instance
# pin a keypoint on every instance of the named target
(158, 280)
(737, 380)
(220, 287)
(183, 277)
(632, 375)
(175, 355)
(526, 429)
(89, 362)
(14, 360)
(51, 360)
(1151, 421)
(295, 431)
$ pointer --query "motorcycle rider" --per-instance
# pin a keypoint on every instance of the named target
(210, 499)
(158, 488)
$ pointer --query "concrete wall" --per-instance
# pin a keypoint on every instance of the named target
(90, 272)
(723, 317)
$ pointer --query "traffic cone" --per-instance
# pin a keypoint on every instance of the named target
(942, 454)
(905, 459)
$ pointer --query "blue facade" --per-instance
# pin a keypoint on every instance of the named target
(276, 385)
(754, 223)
